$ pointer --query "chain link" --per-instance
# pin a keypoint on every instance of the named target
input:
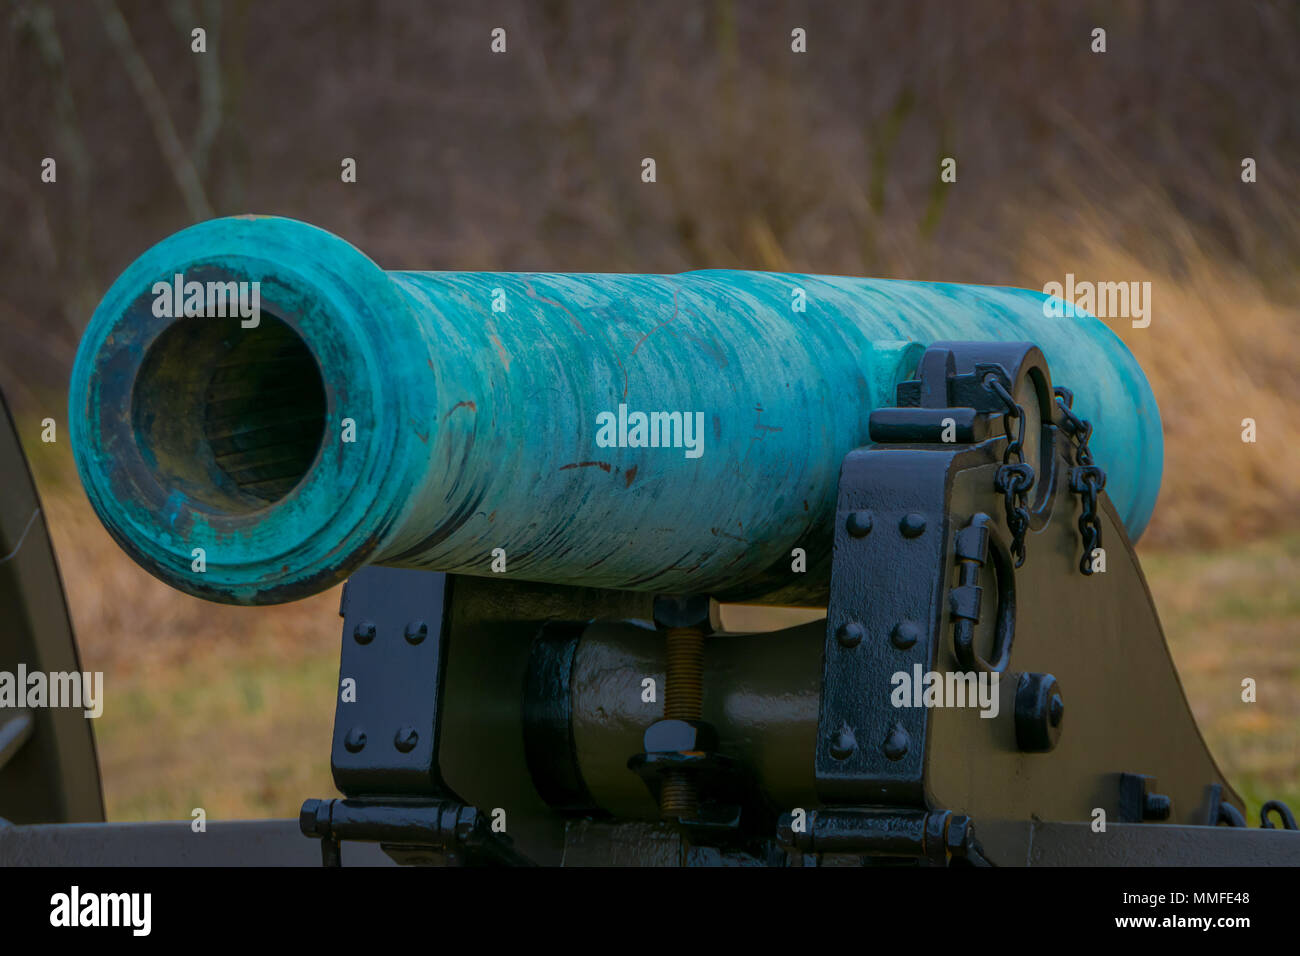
(1086, 477)
(1013, 479)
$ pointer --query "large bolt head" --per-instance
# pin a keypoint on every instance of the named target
(1040, 712)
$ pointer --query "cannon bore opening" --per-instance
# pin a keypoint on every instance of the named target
(232, 417)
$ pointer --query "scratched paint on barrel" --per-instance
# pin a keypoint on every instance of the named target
(476, 429)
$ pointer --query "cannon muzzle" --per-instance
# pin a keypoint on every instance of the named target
(257, 410)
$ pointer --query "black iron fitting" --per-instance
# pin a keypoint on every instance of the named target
(433, 827)
(934, 837)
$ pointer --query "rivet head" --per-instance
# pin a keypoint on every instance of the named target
(905, 634)
(912, 525)
(405, 739)
(896, 744)
(364, 632)
(850, 634)
(859, 524)
(843, 743)
(416, 631)
(1055, 710)
(355, 740)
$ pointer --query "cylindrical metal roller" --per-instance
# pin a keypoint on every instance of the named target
(655, 432)
(763, 692)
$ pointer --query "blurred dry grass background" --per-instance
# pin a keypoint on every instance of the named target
(1116, 167)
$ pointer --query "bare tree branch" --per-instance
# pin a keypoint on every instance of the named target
(178, 160)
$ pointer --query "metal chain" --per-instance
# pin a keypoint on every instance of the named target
(1016, 479)
(1086, 477)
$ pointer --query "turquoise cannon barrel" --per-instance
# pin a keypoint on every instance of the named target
(258, 409)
